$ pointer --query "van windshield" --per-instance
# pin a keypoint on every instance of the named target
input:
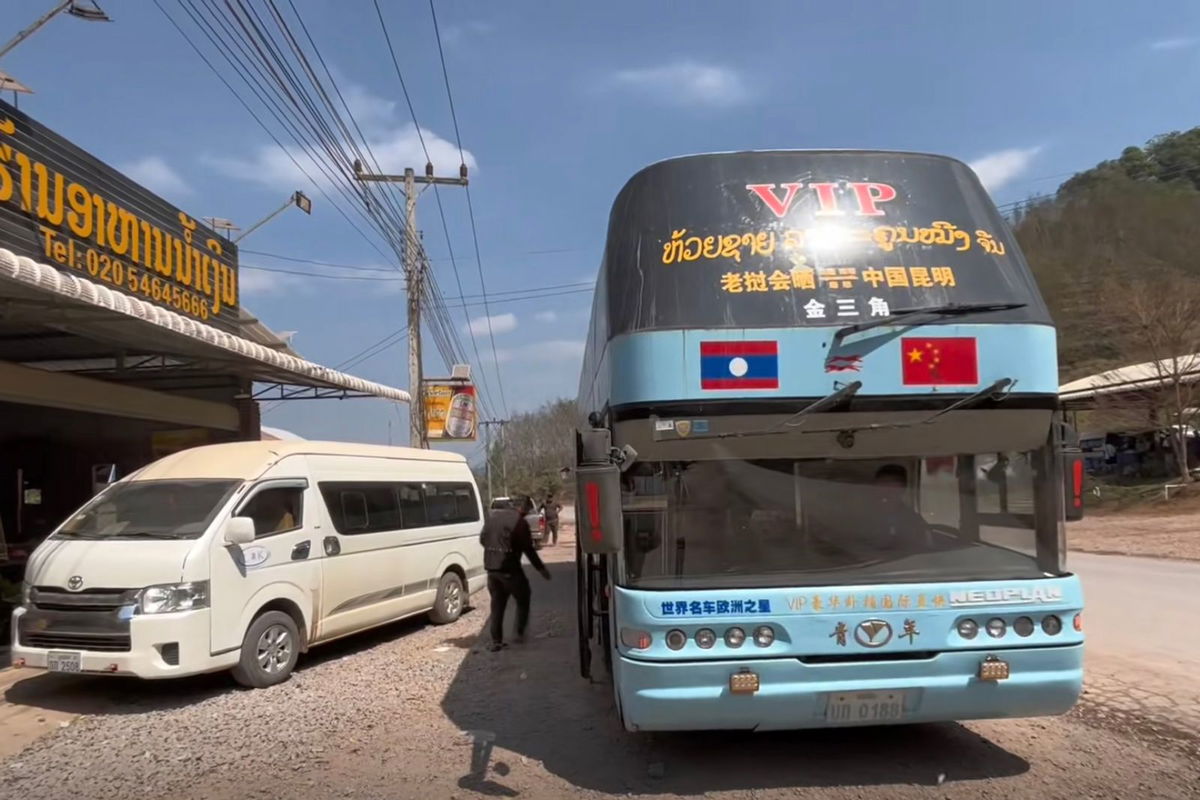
(149, 510)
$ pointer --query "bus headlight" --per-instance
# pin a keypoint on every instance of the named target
(1052, 625)
(168, 597)
(968, 628)
(705, 638)
(676, 639)
(764, 635)
(1023, 626)
(996, 627)
(735, 637)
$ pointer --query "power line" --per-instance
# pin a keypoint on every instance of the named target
(470, 206)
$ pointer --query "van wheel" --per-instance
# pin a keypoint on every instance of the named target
(269, 651)
(450, 599)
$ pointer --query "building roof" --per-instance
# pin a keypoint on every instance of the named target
(247, 460)
(1082, 393)
(55, 318)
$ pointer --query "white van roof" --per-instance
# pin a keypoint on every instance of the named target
(247, 460)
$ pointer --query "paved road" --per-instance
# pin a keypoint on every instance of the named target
(1141, 606)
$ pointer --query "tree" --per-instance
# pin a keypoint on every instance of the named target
(533, 448)
(1157, 319)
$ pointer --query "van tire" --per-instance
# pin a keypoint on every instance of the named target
(269, 651)
(451, 597)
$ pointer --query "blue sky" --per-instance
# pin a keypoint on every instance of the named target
(558, 104)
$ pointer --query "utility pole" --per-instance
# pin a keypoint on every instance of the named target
(487, 432)
(414, 272)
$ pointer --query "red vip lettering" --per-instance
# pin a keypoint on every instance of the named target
(833, 199)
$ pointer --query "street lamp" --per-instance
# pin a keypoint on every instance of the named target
(90, 12)
(298, 199)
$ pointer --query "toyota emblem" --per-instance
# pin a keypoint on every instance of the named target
(75, 583)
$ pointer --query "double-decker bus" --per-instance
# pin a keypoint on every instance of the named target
(822, 480)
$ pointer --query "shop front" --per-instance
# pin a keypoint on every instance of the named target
(122, 337)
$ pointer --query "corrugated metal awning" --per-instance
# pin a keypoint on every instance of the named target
(128, 319)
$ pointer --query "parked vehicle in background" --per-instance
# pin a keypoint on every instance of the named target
(241, 556)
(535, 518)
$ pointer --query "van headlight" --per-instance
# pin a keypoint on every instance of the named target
(168, 597)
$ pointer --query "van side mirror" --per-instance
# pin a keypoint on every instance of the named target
(239, 530)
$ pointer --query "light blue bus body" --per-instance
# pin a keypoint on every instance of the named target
(770, 576)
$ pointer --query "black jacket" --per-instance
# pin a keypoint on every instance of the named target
(505, 538)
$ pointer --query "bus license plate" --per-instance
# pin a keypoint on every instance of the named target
(856, 708)
(64, 662)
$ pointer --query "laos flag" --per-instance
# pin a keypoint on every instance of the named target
(739, 365)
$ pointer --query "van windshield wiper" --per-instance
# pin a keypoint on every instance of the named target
(947, 310)
(145, 535)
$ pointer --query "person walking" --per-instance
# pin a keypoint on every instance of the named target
(506, 538)
(550, 507)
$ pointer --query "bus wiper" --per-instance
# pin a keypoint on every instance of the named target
(947, 310)
(997, 391)
(826, 402)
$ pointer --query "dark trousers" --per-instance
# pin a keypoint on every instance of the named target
(501, 586)
(552, 530)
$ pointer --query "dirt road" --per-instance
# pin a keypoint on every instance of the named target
(393, 714)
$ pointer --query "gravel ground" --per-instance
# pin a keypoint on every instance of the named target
(1138, 534)
(392, 714)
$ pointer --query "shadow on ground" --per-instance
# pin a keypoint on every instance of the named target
(94, 694)
(557, 718)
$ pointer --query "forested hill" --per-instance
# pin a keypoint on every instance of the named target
(1132, 221)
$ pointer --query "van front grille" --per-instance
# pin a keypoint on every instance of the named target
(52, 598)
(106, 643)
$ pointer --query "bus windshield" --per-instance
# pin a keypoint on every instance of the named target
(761, 523)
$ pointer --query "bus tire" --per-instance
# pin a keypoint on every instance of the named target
(448, 605)
(269, 651)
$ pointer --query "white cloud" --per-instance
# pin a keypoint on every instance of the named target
(546, 316)
(1177, 43)
(552, 351)
(156, 174)
(997, 169)
(500, 323)
(455, 33)
(394, 144)
(687, 82)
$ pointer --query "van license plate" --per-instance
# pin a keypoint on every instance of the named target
(64, 662)
(856, 708)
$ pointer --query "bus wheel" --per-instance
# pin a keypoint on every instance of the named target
(448, 606)
(269, 651)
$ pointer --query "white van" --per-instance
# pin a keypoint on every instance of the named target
(241, 556)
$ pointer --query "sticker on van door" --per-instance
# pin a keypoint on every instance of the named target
(255, 556)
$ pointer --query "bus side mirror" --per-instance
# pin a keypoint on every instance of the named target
(598, 514)
(1072, 470)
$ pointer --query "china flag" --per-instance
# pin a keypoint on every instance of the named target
(940, 362)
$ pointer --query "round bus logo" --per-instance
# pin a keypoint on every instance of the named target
(873, 633)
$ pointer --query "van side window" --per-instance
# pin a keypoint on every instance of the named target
(412, 505)
(362, 507)
(450, 503)
(276, 510)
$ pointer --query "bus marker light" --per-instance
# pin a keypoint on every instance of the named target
(1079, 623)
(635, 639)
(743, 682)
(993, 669)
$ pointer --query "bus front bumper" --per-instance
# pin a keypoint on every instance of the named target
(696, 695)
